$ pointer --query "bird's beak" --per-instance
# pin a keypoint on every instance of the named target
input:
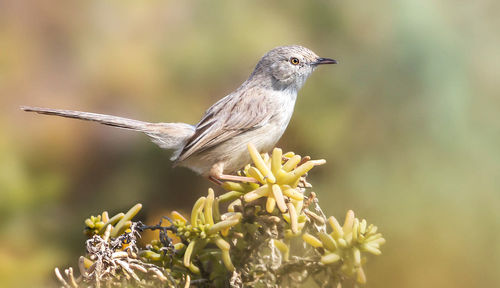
(325, 61)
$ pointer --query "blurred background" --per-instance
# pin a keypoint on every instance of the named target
(408, 121)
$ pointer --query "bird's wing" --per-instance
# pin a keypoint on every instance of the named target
(229, 117)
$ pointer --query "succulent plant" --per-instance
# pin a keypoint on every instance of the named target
(273, 233)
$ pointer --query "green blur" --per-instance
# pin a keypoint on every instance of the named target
(408, 121)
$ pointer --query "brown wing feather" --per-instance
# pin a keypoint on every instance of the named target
(229, 117)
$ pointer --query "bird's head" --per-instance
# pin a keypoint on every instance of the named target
(289, 66)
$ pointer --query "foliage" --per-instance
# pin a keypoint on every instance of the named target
(273, 234)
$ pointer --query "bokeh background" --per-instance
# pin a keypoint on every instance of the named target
(408, 121)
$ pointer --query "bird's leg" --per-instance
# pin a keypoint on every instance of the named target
(216, 175)
(215, 180)
(237, 178)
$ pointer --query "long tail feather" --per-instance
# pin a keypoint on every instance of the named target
(166, 135)
(101, 118)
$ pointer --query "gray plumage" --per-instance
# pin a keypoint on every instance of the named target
(257, 112)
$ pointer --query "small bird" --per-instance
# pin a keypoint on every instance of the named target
(258, 112)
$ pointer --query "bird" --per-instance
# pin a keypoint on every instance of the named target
(257, 112)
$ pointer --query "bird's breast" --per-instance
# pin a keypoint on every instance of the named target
(285, 103)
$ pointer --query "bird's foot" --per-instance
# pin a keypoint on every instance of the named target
(223, 177)
(217, 176)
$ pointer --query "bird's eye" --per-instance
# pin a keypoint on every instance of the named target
(294, 61)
